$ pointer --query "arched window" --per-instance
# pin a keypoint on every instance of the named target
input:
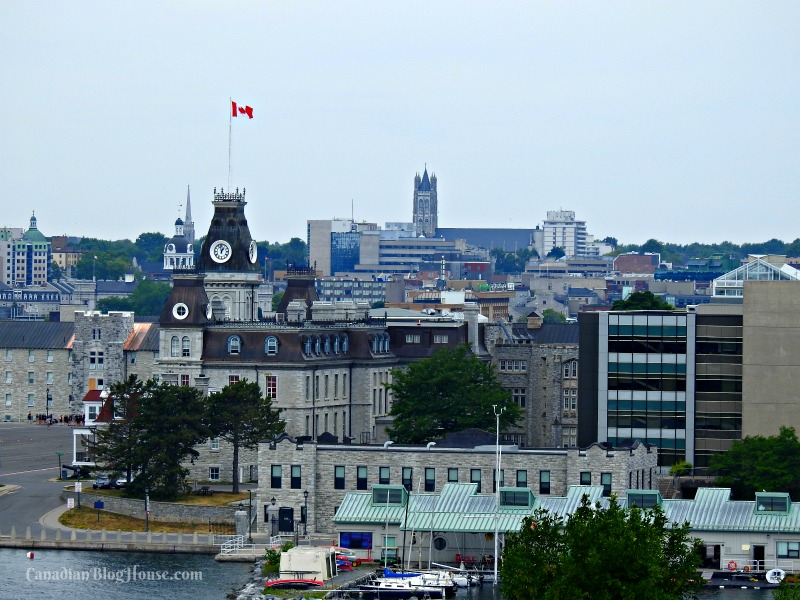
(336, 344)
(307, 345)
(345, 344)
(385, 337)
(234, 344)
(317, 346)
(271, 345)
(327, 345)
(186, 346)
(174, 346)
(373, 344)
(571, 369)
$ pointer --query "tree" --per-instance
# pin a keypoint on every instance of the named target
(114, 445)
(147, 299)
(240, 415)
(276, 300)
(556, 253)
(170, 424)
(451, 391)
(652, 246)
(54, 272)
(551, 315)
(758, 463)
(151, 246)
(646, 300)
(154, 429)
(603, 554)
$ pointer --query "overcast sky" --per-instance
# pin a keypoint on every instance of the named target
(678, 121)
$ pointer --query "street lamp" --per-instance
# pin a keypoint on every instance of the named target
(59, 455)
(147, 509)
(305, 513)
(497, 414)
(49, 398)
(250, 517)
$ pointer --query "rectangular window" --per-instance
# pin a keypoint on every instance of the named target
(9, 377)
(186, 347)
(272, 386)
(544, 482)
(49, 378)
(356, 540)
(513, 366)
(308, 389)
(344, 385)
(452, 475)
(9, 355)
(31, 377)
(31, 356)
(92, 413)
(297, 479)
(586, 478)
(326, 387)
(233, 379)
(788, 550)
(384, 477)
(408, 475)
(440, 338)
(49, 356)
(361, 478)
(213, 473)
(520, 396)
(412, 338)
(475, 477)
(215, 444)
(335, 385)
(430, 479)
(276, 474)
(522, 478)
(8, 399)
(338, 478)
(605, 481)
(185, 379)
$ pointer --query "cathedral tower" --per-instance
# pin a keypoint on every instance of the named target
(425, 204)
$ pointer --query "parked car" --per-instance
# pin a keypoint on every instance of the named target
(120, 482)
(102, 482)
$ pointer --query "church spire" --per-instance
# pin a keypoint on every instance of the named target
(188, 223)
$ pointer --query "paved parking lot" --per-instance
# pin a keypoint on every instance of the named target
(28, 459)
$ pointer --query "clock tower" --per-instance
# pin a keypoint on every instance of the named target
(229, 260)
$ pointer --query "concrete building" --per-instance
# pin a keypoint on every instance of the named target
(562, 230)
(24, 260)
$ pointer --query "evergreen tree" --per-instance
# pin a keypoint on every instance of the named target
(242, 416)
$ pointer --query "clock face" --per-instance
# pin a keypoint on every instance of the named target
(253, 251)
(220, 251)
(209, 312)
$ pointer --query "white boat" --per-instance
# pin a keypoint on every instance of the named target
(399, 588)
(437, 578)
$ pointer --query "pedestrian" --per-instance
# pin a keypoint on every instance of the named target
(30, 418)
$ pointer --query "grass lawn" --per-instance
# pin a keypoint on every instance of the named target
(217, 499)
(86, 518)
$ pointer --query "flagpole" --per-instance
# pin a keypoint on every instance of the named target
(230, 123)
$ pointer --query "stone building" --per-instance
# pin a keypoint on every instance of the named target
(538, 363)
(288, 467)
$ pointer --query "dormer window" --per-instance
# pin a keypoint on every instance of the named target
(234, 345)
(644, 498)
(775, 502)
(394, 495)
(513, 497)
(385, 343)
(271, 346)
(170, 247)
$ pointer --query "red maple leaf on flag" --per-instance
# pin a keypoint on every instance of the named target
(237, 110)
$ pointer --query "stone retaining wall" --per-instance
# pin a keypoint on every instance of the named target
(166, 512)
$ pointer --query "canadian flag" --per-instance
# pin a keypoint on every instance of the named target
(240, 110)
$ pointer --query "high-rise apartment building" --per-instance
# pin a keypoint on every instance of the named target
(562, 230)
(24, 260)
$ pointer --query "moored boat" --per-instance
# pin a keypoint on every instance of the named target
(292, 584)
(400, 588)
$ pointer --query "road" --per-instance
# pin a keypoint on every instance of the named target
(28, 459)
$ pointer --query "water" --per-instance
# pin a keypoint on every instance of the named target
(59, 574)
